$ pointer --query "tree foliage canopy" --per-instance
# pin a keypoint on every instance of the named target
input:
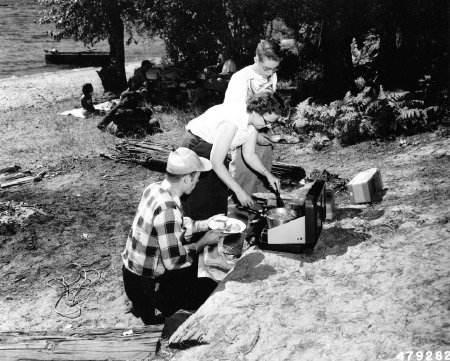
(412, 34)
(91, 21)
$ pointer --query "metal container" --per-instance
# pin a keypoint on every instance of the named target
(278, 216)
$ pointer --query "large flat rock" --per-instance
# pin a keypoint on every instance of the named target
(354, 298)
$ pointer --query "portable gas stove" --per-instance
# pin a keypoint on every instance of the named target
(303, 232)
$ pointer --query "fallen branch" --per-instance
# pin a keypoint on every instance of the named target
(17, 182)
(154, 157)
(11, 176)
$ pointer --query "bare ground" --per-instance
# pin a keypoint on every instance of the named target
(377, 283)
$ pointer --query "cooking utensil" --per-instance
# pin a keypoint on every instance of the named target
(280, 202)
(265, 196)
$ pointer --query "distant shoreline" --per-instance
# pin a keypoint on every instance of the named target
(42, 89)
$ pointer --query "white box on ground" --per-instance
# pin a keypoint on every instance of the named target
(365, 186)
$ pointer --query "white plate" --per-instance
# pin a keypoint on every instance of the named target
(226, 225)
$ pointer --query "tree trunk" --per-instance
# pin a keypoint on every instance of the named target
(387, 63)
(117, 53)
(114, 77)
(336, 60)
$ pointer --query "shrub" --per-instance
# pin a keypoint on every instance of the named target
(369, 114)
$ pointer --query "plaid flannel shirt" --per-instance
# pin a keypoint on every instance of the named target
(158, 239)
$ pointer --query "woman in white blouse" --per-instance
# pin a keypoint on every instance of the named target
(212, 135)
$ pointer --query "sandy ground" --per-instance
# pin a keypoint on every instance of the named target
(382, 274)
(43, 90)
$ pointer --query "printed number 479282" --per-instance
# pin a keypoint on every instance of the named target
(423, 356)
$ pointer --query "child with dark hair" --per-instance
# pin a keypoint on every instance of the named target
(86, 101)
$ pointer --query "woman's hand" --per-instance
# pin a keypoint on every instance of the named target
(244, 199)
(273, 181)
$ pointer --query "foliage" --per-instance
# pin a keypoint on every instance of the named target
(197, 32)
(364, 57)
(367, 115)
(91, 21)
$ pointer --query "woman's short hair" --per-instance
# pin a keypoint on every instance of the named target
(87, 88)
(269, 49)
(266, 102)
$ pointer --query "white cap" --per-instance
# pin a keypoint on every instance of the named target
(184, 161)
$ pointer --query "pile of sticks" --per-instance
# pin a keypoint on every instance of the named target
(154, 156)
(14, 176)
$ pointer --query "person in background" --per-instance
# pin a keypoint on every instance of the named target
(86, 101)
(130, 114)
(140, 74)
(212, 135)
(227, 65)
(160, 258)
(259, 77)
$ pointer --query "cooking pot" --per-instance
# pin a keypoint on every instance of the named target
(274, 216)
(278, 216)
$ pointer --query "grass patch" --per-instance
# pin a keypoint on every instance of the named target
(34, 137)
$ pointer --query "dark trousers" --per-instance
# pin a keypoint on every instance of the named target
(178, 290)
(126, 119)
(210, 195)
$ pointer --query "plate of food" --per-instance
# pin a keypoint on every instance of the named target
(226, 224)
(284, 138)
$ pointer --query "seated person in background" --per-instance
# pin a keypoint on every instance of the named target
(130, 114)
(228, 67)
(140, 74)
(86, 101)
(159, 249)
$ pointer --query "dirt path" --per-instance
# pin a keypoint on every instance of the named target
(82, 213)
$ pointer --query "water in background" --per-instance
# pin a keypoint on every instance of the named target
(23, 41)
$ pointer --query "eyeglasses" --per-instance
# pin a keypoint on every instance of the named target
(268, 68)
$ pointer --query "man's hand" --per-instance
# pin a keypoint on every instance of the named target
(210, 238)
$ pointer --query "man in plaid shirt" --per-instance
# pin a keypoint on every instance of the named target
(158, 252)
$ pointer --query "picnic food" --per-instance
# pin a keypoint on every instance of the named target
(218, 222)
(226, 225)
(232, 228)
